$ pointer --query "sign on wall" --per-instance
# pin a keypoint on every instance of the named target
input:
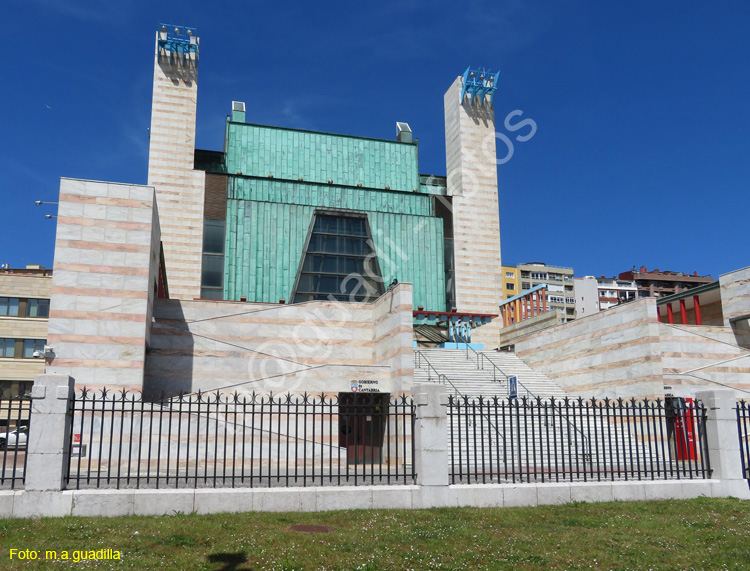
(365, 386)
(513, 387)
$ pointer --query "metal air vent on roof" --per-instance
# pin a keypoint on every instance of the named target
(238, 111)
(403, 132)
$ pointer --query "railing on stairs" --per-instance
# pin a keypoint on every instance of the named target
(585, 443)
(446, 381)
(441, 378)
(481, 357)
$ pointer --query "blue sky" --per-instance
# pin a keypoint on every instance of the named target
(642, 109)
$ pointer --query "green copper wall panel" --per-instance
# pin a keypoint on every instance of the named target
(330, 196)
(265, 241)
(264, 245)
(410, 249)
(255, 150)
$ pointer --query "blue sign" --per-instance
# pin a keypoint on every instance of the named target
(513, 387)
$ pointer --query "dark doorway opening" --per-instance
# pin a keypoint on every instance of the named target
(362, 423)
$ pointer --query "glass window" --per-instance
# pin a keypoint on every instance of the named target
(7, 347)
(340, 262)
(9, 306)
(212, 293)
(37, 308)
(14, 389)
(213, 236)
(213, 271)
(31, 345)
(341, 225)
(510, 286)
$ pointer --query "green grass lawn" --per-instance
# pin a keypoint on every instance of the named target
(675, 535)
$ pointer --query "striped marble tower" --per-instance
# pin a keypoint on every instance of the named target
(104, 283)
(472, 182)
(179, 188)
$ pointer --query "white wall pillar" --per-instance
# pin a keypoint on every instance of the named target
(49, 428)
(431, 458)
(723, 442)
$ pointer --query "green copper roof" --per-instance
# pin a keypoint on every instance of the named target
(256, 150)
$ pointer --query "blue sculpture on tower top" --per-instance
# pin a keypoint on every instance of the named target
(178, 39)
(478, 83)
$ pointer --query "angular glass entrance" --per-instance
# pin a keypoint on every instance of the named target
(339, 261)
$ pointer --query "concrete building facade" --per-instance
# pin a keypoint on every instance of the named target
(614, 292)
(632, 351)
(289, 260)
(24, 311)
(597, 294)
(658, 283)
(559, 281)
(586, 291)
(511, 281)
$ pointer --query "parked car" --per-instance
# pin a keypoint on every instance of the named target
(15, 438)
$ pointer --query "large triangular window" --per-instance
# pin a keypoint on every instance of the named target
(339, 262)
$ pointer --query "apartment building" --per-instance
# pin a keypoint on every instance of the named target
(511, 282)
(613, 291)
(24, 312)
(597, 294)
(559, 282)
(657, 283)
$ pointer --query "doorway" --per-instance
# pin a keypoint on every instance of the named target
(362, 423)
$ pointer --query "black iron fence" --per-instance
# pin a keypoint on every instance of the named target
(497, 440)
(240, 440)
(15, 414)
(743, 430)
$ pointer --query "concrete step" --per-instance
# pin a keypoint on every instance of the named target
(482, 434)
(474, 376)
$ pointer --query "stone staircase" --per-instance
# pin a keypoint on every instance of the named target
(519, 442)
(475, 375)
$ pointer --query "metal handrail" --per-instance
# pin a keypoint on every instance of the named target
(442, 378)
(459, 393)
(480, 365)
(585, 440)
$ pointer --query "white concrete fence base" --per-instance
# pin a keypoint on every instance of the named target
(44, 495)
(206, 501)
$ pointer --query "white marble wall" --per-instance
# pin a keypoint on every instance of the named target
(696, 357)
(609, 354)
(393, 336)
(735, 294)
(106, 259)
(314, 346)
